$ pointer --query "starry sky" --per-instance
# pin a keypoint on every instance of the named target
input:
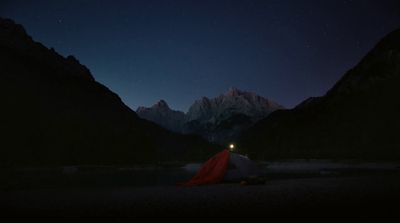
(179, 51)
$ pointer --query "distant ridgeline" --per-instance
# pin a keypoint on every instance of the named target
(53, 112)
(220, 119)
(358, 118)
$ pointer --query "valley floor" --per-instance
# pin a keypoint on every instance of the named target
(365, 196)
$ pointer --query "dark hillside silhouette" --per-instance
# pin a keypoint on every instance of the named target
(53, 112)
(357, 118)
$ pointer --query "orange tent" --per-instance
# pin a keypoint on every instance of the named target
(213, 171)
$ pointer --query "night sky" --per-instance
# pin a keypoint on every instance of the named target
(182, 50)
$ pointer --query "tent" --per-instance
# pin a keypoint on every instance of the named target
(224, 166)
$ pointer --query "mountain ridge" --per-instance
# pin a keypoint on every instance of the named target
(161, 114)
(356, 119)
(55, 113)
(217, 119)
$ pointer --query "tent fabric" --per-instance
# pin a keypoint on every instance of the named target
(224, 166)
(213, 170)
(242, 168)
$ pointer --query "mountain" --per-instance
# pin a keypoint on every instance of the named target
(222, 118)
(357, 118)
(161, 114)
(218, 119)
(53, 112)
(230, 103)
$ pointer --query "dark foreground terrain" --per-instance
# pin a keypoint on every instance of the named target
(330, 194)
